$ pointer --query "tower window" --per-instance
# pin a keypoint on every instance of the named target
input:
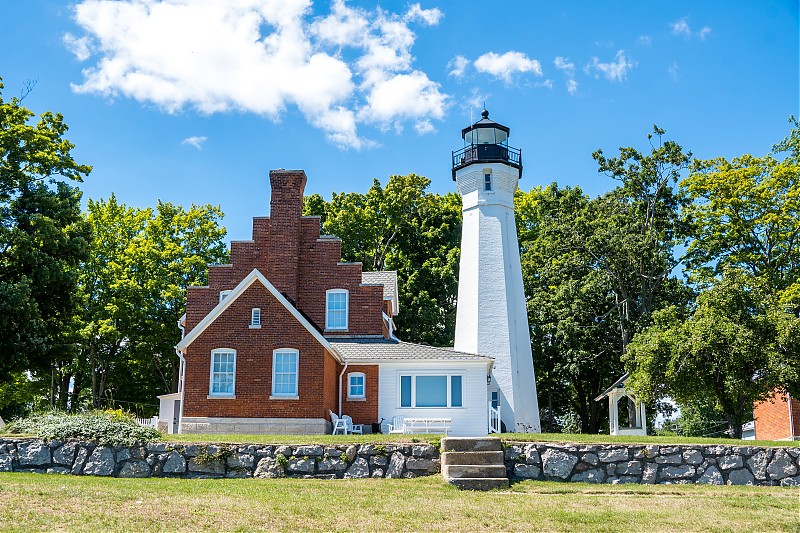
(487, 181)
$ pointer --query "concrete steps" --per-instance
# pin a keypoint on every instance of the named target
(474, 463)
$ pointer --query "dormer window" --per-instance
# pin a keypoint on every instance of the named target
(487, 181)
(255, 318)
(336, 305)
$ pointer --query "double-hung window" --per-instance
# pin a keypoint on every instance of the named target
(223, 373)
(285, 372)
(356, 385)
(431, 390)
(336, 303)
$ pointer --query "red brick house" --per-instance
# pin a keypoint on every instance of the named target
(286, 333)
(777, 418)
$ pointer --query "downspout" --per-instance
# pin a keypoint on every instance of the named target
(181, 377)
(791, 419)
(344, 369)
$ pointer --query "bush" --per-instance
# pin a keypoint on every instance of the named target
(115, 428)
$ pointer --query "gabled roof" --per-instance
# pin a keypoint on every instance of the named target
(373, 350)
(620, 381)
(253, 277)
(387, 278)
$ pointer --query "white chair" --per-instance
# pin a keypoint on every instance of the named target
(357, 429)
(398, 424)
(339, 424)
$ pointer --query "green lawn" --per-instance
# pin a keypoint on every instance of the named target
(651, 439)
(33, 502)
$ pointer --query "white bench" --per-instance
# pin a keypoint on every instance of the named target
(427, 425)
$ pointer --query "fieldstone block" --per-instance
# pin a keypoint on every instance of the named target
(590, 458)
(5, 463)
(332, 452)
(176, 463)
(59, 470)
(269, 468)
(302, 466)
(523, 471)
(512, 453)
(158, 447)
(532, 455)
(711, 476)
(613, 455)
(675, 472)
(65, 455)
(396, 465)
(791, 481)
(359, 469)
(595, 475)
(367, 449)
(123, 454)
(558, 464)
(100, 463)
(308, 451)
(331, 465)
(781, 466)
(285, 451)
(378, 460)
(428, 465)
(378, 472)
(351, 453)
(33, 453)
(241, 460)
(423, 450)
(649, 474)
(740, 477)
(611, 469)
(631, 468)
(80, 460)
(670, 450)
(758, 464)
(674, 459)
(135, 469)
(210, 467)
(693, 457)
(647, 452)
(623, 480)
(729, 462)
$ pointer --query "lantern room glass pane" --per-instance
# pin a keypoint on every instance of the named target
(485, 135)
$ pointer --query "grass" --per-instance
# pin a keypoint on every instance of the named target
(48, 502)
(651, 439)
(301, 439)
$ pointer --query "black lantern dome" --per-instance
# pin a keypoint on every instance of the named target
(486, 141)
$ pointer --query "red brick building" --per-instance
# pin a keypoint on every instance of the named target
(287, 333)
(778, 418)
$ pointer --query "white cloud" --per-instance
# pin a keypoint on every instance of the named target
(572, 86)
(645, 40)
(457, 66)
(546, 83)
(564, 64)
(613, 70)
(506, 65)
(674, 71)
(681, 27)
(197, 142)
(260, 56)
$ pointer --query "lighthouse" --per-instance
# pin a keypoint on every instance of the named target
(491, 316)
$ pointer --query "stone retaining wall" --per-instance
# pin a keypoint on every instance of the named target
(593, 463)
(217, 461)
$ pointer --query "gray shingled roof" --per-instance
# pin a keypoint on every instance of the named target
(372, 349)
(387, 278)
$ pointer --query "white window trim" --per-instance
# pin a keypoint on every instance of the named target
(224, 294)
(253, 323)
(211, 374)
(448, 373)
(285, 396)
(346, 310)
(349, 385)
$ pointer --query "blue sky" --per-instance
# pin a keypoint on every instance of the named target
(194, 101)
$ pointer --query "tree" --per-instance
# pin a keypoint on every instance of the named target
(42, 240)
(402, 227)
(726, 349)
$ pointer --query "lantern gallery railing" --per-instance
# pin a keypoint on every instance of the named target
(487, 153)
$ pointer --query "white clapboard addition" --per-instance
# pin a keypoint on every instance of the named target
(491, 317)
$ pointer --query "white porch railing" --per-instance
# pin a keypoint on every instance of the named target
(494, 419)
(148, 422)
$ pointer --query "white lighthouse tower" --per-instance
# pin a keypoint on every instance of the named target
(491, 318)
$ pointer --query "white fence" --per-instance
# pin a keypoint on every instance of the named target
(494, 419)
(148, 422)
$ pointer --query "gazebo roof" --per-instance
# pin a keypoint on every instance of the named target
(620, 381)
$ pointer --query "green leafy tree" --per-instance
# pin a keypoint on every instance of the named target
(42, 240)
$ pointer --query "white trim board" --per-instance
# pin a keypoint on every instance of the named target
(243, 285)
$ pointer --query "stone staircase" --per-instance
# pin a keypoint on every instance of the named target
(474, 463)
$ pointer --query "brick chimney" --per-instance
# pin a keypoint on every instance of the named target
(286, 206)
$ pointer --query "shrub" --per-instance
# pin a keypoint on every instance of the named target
(115, 428)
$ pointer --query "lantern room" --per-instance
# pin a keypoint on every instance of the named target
(486, 141)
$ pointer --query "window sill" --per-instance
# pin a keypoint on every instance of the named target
(284, 397)
(255, 327)
(221, 397)
(335, 330)
(349, 399)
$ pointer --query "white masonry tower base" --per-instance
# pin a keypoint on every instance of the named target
(491, 316)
